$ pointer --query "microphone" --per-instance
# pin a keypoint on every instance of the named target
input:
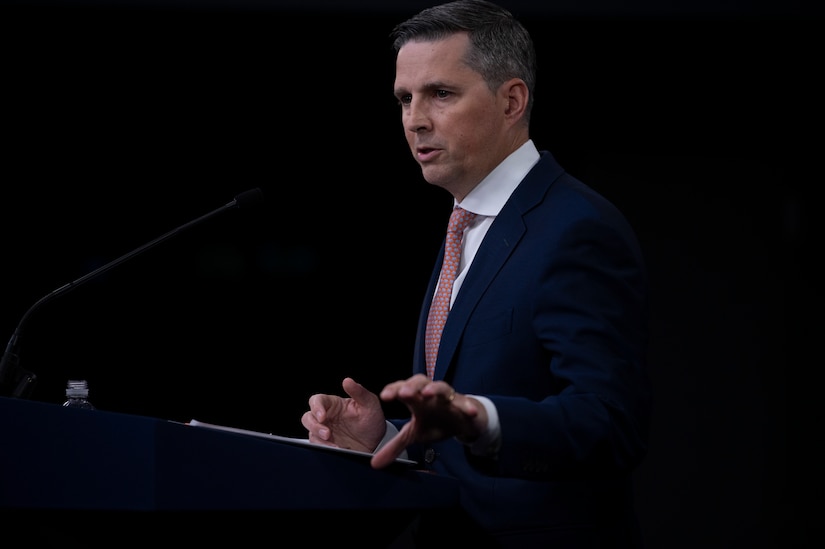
(18, 382)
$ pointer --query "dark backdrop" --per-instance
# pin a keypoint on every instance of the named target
(122, 123)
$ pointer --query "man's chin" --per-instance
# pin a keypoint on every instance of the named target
(434, 176)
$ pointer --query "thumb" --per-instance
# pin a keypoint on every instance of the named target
(357, 392)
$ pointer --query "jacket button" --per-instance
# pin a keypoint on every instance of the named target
(429, 455)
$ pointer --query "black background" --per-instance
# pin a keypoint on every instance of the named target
(123, 121)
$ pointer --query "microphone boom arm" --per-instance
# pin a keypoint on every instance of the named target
(18, 382)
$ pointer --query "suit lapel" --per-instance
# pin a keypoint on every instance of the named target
(501, 240)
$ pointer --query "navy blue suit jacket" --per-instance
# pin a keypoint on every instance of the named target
(551, 325)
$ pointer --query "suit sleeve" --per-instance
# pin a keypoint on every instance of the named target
(590, 316)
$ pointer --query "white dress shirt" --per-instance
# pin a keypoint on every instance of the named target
(486, 201)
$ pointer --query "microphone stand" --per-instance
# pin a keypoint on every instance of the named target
(18, 382)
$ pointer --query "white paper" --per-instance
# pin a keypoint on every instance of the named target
(288, 440)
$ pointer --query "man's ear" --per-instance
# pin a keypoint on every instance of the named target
(515, 96)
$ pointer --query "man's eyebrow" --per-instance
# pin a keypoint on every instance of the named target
(428, 87)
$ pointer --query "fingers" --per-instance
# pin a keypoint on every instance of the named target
(317, 408)
(316, 431)
(418, 387)
(441, 390)
(344, 421)
(314, 420)
(406, 387)
(437, 411)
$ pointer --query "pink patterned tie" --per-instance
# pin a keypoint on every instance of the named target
(440, 307)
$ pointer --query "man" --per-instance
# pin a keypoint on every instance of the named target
(538, 401)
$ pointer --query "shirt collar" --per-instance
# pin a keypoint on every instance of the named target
(488, 197)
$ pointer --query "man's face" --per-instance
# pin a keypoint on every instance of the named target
(453, 123)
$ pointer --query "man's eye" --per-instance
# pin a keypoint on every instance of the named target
(441, 94)
(405, 99)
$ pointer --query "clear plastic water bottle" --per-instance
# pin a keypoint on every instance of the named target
(77, 394)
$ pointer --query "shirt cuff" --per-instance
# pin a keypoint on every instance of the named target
(391, 431)
(489, 442)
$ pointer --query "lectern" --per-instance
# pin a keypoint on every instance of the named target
(72, 476)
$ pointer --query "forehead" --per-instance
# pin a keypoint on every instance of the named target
(433, 60)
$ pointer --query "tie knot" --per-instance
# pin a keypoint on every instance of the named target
(459, 220)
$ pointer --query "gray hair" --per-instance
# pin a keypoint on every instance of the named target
(500, 46)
